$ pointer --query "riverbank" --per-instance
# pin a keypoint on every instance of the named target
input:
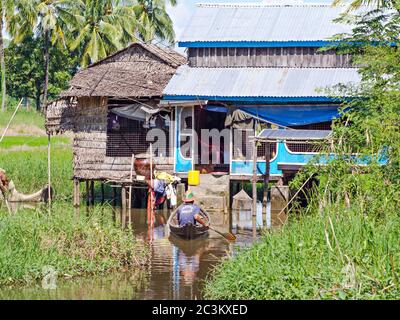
(347, 256)
(32, 240)
(71, 244)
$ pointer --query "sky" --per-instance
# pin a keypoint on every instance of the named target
(181, 13)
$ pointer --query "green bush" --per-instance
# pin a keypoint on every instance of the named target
(354, 257)
(28, 170)
(72, 244)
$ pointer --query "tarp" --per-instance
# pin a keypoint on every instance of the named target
(235, 117)
(136, 112)
(293, 115)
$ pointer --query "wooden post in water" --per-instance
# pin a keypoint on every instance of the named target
(130, 192)
(123, 206)
(254, 211)
(266, 181)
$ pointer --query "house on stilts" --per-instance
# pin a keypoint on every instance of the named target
(251, 71)
(253, 67)
(110, 107)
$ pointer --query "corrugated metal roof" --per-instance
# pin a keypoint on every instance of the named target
(263, 23)
(257, 82)
(277, 134)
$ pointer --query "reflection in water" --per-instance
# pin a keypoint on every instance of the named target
(177, 268)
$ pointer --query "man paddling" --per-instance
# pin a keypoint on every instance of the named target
(188, 212)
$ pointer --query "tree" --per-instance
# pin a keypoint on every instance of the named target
(25, 68)
(104, 26)
(377, 3)
(6, 9)
(50, 20)
(364, 175)
(154, 20)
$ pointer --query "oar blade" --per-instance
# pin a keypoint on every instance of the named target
(230, 236)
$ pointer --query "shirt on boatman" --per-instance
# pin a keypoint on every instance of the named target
(186, 213)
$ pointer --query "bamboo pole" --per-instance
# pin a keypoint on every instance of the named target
(151, 183)
(123, 206)
(266, 180)
(130, 192)
(9, 122)
(254, 213)
(76, 193)
(49, 170)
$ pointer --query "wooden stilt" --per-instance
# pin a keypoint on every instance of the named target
(266, 181)
(123, 206)
(130, 193)
(92, 193)
(254, 211)
(114, 196)
(77, 199)
(102, 192)
(87, 193)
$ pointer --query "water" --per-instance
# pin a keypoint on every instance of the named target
(177, 269)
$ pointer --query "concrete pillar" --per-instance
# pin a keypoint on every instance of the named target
(180, 193)
(279, 200)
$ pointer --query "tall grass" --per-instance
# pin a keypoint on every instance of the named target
(23, 117)
(71, 244)
(346, 256)
(28, 170)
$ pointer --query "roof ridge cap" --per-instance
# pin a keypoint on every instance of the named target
(264, 5)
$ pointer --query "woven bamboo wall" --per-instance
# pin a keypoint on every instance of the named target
(90, 145)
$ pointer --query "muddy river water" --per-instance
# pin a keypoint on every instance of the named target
(177, 268)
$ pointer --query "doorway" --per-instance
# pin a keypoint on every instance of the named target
(217, 142)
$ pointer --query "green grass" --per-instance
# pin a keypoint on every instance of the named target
(299, 262)
(23, 117)
(71, 244)
(31, 141)
(28, 170)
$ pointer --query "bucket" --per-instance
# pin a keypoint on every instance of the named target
(194, 178)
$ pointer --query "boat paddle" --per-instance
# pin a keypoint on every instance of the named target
(229, 236)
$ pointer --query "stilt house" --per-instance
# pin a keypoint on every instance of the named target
(110, 107)
(253, 66)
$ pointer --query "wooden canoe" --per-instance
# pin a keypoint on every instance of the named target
(188, 231)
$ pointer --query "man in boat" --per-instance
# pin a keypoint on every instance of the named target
(188, 212)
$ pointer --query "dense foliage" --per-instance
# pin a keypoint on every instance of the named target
(69, 243)
(25, 69)
(51, 37)
(345, 243)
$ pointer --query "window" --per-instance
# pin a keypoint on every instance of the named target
(309, 147)
(126, 137)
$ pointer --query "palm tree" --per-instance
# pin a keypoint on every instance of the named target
(378, 3)
(154, 20)
(6, 10)
(49, 19)
(104, 26)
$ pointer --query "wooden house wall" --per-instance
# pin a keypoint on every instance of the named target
(90, 145)
(296, 57)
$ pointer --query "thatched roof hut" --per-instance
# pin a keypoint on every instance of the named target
(131, 80)
(140, 70)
